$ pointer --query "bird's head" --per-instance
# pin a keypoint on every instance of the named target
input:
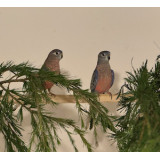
(57, 54)
(104, 55)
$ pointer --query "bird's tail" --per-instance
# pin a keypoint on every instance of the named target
(91, 124)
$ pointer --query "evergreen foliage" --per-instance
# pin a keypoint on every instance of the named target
(138, 129)
(33, 98)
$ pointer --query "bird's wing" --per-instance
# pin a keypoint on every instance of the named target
(44, 67)
(94, 80)
(112, 74)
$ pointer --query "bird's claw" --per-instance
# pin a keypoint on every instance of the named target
(52, 94)
(110, 94)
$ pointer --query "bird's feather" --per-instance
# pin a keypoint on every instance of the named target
(44, 68)
(112, 73)
(94, 80)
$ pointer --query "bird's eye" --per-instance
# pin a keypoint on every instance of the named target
(57, 53)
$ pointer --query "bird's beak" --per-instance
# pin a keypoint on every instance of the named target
(61, 55)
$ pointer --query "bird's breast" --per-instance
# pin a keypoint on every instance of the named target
(53, 65)
(104, 79)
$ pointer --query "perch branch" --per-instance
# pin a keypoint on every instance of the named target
(71, 99)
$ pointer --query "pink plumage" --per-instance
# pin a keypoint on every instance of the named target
(52, 65)
(104, 78)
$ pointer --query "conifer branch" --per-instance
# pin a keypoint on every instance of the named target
(138, 129)
(33, 97)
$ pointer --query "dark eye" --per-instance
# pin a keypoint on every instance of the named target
(57, 53)
(103, 54)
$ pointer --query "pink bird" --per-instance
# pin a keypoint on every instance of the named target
(103, 76)
(52, 64)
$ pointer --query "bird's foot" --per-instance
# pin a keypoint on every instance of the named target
(98, 95)
(52, 94)
(110, 94)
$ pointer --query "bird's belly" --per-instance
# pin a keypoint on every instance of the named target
(103, 85)
(48, 84)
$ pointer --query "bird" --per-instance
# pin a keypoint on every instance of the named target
(52, 64)
(103, 76)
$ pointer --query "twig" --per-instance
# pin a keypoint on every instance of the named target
(15, 80)
(15, 99)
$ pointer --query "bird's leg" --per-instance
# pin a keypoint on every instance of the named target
(109, 94)
(52, 94)
(97, 95)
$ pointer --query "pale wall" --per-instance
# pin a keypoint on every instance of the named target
(31, 33)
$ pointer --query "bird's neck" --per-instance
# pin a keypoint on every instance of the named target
(52, 64)
(103, 66)
(104, 62)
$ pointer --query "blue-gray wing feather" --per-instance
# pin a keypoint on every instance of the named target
(94, 80)
(112, 74)
(44, 67)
